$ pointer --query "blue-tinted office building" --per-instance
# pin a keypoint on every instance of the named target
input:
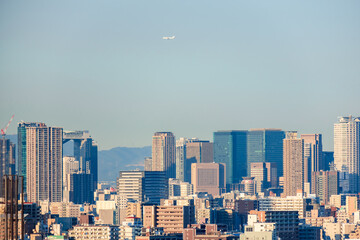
(265, 145)
(230, 147)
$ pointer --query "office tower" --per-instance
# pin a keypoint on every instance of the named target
(208, 177)
(328, 159)
(199, 151)
(163, 153)
(265, 175)
(148, 164)
(7, 157)
(266, 145)
(293, 164)
(141, 186)
(324, 184)
(182, 172)
(346, 149)
(44, 163)
(85, 152)
(189, 151)
(230, 147)
(80, 191)
(313, 156)
(70, 166)
(22, 148)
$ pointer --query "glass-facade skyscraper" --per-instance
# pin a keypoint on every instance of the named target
(230, 147)
(265, 145)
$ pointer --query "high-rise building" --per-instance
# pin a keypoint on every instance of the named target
(148, 164)
(44, 163)
(313, 156)
(324, 184)
(230, 147)
(85, 152)
(70, 166)
(80, 191)
(328, 160)
(141, 186)
(199, 151)
(182, 172)
(22, 148)
(163, 153)
(189, 151)
(293, 164)
(208, 177)
(265, 175)
(347, 149)
(265, 145)
(7, 157)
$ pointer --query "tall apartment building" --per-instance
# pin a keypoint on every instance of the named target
(163, 153)
(347, 149)
(189, 151)
(148, 164)
(208, 177)
(324, 184)
(21, 148)
(293, 155)
(230, 147)
(265, 145)
(313, 156)
(43, 163)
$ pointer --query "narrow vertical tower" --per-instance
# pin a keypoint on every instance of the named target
(293, 164)
(163, 153)
(346, 150)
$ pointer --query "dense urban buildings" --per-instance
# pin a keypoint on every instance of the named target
(163, 153)
(313, 199)
(7, 157)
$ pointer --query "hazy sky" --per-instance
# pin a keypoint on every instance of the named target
(103, 66)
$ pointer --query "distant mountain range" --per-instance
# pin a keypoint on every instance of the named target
(111, 161)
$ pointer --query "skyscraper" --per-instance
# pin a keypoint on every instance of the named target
(22, 147)
(85, 152)
(189, 151)
(163, 153)
(293, 164)
(324, 184)
(313, 156)
(265, 145)
(346, 149)
(7, 157)
(44, 163)
(265, 175)
(230, 147)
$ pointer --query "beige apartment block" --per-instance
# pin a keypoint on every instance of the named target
(163, 153)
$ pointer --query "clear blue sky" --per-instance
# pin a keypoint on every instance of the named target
(103, 66)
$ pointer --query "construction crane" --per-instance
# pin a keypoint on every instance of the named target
(3, 131)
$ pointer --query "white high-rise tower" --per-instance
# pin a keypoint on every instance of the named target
(346, 149)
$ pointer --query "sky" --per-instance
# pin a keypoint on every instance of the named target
(103, 66)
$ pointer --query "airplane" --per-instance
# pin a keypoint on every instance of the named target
(169, 38)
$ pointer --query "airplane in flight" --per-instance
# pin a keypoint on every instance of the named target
(169, 38)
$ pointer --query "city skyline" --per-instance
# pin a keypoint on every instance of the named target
(233, 65)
